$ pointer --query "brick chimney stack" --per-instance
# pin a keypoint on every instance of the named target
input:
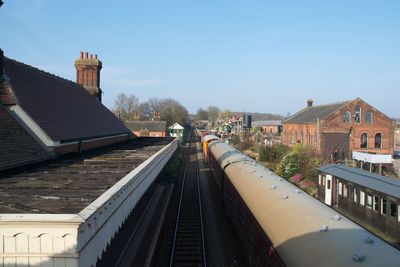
(88, 73)
(309, 102)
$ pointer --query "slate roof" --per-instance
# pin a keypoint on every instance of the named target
(152, 126)
(387, 185)
(266, 123)
(62, 108)
(17, 146)
(311, 114)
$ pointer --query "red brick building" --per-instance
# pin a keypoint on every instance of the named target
(335, 130)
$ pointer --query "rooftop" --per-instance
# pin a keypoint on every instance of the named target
(311, 114)
(152, 126)
(266, 123)
(17, 146)
(387, 185)
(69, 184)
(64, 110)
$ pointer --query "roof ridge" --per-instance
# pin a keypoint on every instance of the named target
(40, 70)
(331, 104)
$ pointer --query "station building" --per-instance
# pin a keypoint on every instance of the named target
(70, 173)
(336, 130)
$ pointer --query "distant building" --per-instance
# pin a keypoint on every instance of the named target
(147, 128)
(60, 113)
(336, 130)
(176, 130)
(370, 199)
(269, 126)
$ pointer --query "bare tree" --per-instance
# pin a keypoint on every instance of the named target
(126, 106)
(213, 113)
(202, 114)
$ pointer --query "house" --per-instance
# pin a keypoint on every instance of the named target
(64, 115)
(176, 130)
(370, 199)
(147, 128)
(336, 130)
(269, 126)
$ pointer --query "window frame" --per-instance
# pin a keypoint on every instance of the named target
(380, 141)
(362, 144)
(369, 117)
(347, 117)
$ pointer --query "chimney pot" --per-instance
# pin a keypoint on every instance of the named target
(309, 103)
(86, 55)
(91, 56)
(81, 55)
(95, 56)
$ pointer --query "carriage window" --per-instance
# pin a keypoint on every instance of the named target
(355, 195)
(392, 209)
(378, 140)
(328, 184)
(344, 190)
(350, 192)
(369, 201)
(383, 206)
(368, 117)
(376, 203)
(357, 114)
(346, 117)
(340, 188)
(362, 198)
(364, 141)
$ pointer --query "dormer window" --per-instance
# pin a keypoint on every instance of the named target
(357, 114)
(347, 117)
(369, 117)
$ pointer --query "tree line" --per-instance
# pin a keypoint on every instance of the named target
(171, 111)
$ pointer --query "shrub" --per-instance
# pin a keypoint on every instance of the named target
(296, 178)
(290, 166)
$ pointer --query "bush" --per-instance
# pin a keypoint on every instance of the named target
(296, 178)
(274, 153)
(290, 166)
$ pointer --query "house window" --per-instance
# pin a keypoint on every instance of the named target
(347, 117)
(301, 137)
(295, 137)
(344, 190)
(340, 188)
(308, 138)
(378, 140)
(376, 203)
(364, 141)
(383, 206)
(369, 201)
(355, 195)
(357, 114)
(290, 137)
(369, 117)
(392, 209)
(362, 198)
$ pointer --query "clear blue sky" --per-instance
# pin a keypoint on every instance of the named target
(259, 56)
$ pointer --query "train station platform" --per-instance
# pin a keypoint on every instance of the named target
(65, 212)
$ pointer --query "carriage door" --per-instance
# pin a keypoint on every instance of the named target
(328, 190)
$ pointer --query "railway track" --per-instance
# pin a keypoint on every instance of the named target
(188, 246)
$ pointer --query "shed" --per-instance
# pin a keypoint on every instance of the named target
(176, 130)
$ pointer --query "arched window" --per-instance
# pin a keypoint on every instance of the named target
(308, 138)
(347, 117)
(357, 114)
(295, 137)
(378, 140)
(368, 117)
(290, 140)
(364, 141)
(301, 137)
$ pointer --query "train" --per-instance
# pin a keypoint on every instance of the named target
(278, 224)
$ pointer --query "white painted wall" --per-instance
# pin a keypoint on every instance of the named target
(328, 189)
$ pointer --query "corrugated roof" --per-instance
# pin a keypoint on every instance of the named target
(152, 126)
(266, 123)
(386, 185)
(62, 108)
(17, 146)
(311, 114)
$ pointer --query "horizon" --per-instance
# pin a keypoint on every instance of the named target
(247, 56)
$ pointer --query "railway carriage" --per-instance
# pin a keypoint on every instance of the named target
(280, 225)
